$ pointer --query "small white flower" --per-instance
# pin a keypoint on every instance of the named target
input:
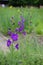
(3, 5)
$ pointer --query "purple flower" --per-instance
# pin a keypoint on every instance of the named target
(24, 33)
(21, 28)
(14, 37)
(19, 23)
(23, 20)
(17, 29)
(22, 24)
(8, 42)
(17, 46)
(9, 32)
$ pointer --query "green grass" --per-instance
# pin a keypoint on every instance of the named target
(7, 13)
(30, 52)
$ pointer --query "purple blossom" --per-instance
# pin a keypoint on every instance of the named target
(17, 29)
(14, 37)
(21, 28)
(23, 20)
(9, 32)
(24, 33)
(22, 24)
(17, 46)
(8, 42)
(19, 23)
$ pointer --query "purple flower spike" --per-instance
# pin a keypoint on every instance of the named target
(17, 46)
(14, 37)
(8, 42)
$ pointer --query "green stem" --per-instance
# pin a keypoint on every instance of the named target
(11, 53)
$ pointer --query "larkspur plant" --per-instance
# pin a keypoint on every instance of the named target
(15, 36)
(21, 25)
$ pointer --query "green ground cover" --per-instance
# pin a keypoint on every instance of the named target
(30, 52)
(34, 15)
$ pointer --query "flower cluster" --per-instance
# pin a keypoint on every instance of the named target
(21, 25)
(14, 36)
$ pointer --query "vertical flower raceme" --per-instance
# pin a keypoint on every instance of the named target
(21, 24)
(14, 36)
